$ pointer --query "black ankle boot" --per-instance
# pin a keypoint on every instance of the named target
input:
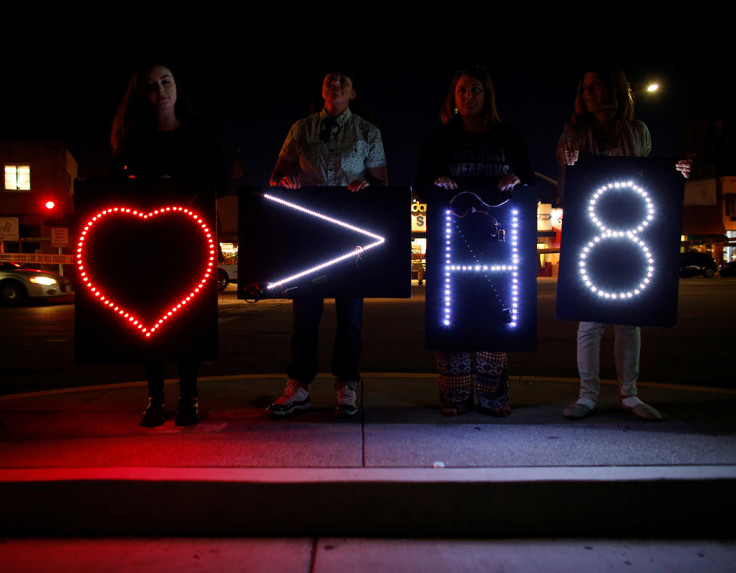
(155, 413)
(188, 412)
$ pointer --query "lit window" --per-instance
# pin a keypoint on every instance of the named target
(17, 177)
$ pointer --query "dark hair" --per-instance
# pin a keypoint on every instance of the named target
(614, 79)
(340, 68)
(448, 112)
(135, 115)
(356, 106)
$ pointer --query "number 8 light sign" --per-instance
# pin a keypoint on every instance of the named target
(620, 242)
(612, 232)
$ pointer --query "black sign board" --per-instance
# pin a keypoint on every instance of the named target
(620, 241)
(324, 241)
(145, 278)
(481, 271)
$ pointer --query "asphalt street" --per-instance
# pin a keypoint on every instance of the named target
(38, 341)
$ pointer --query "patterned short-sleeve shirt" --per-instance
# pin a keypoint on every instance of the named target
(333, 152)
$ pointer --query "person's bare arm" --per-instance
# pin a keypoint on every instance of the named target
(285, 174)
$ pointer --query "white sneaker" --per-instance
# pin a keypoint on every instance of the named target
(294, 399)
(346, 398)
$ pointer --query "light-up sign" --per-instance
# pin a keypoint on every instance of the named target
(627, 233)
(620, 239)
(418, 217)
(146, 254)
(374, 241)
(454, 236)
(93, 282)
(481, 272)
(324, 241)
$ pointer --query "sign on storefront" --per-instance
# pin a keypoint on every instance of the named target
(9, 230)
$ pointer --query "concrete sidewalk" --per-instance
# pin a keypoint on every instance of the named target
(75, 463)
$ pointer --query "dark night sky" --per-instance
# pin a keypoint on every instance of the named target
(255, 79)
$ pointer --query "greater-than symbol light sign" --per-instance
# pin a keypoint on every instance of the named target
(324, 242)
(376, 240)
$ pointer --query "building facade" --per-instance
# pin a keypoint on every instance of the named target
(36, 202)
(709, 209)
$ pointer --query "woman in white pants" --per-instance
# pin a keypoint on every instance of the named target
(604, 124)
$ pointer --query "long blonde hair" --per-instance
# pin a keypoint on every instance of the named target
(622, 101)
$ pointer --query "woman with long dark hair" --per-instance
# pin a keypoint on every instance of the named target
(156, 135)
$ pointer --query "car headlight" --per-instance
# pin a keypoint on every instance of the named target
(43, 280)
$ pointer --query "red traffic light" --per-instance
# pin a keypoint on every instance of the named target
(50, 205)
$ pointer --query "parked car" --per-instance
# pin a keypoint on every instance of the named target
(226, 274)
(19, 284)
(697, 264)
(727, 269)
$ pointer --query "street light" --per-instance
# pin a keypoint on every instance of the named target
(649, 88)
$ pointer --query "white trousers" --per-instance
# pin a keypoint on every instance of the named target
(626, 348)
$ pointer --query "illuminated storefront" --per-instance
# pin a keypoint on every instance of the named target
(549, 227)
(418, 240)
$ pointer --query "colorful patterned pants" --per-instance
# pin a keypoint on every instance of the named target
(489, 371)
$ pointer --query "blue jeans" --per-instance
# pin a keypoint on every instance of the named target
(307, 313)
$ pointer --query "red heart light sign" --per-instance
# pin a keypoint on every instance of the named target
(93, 275)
